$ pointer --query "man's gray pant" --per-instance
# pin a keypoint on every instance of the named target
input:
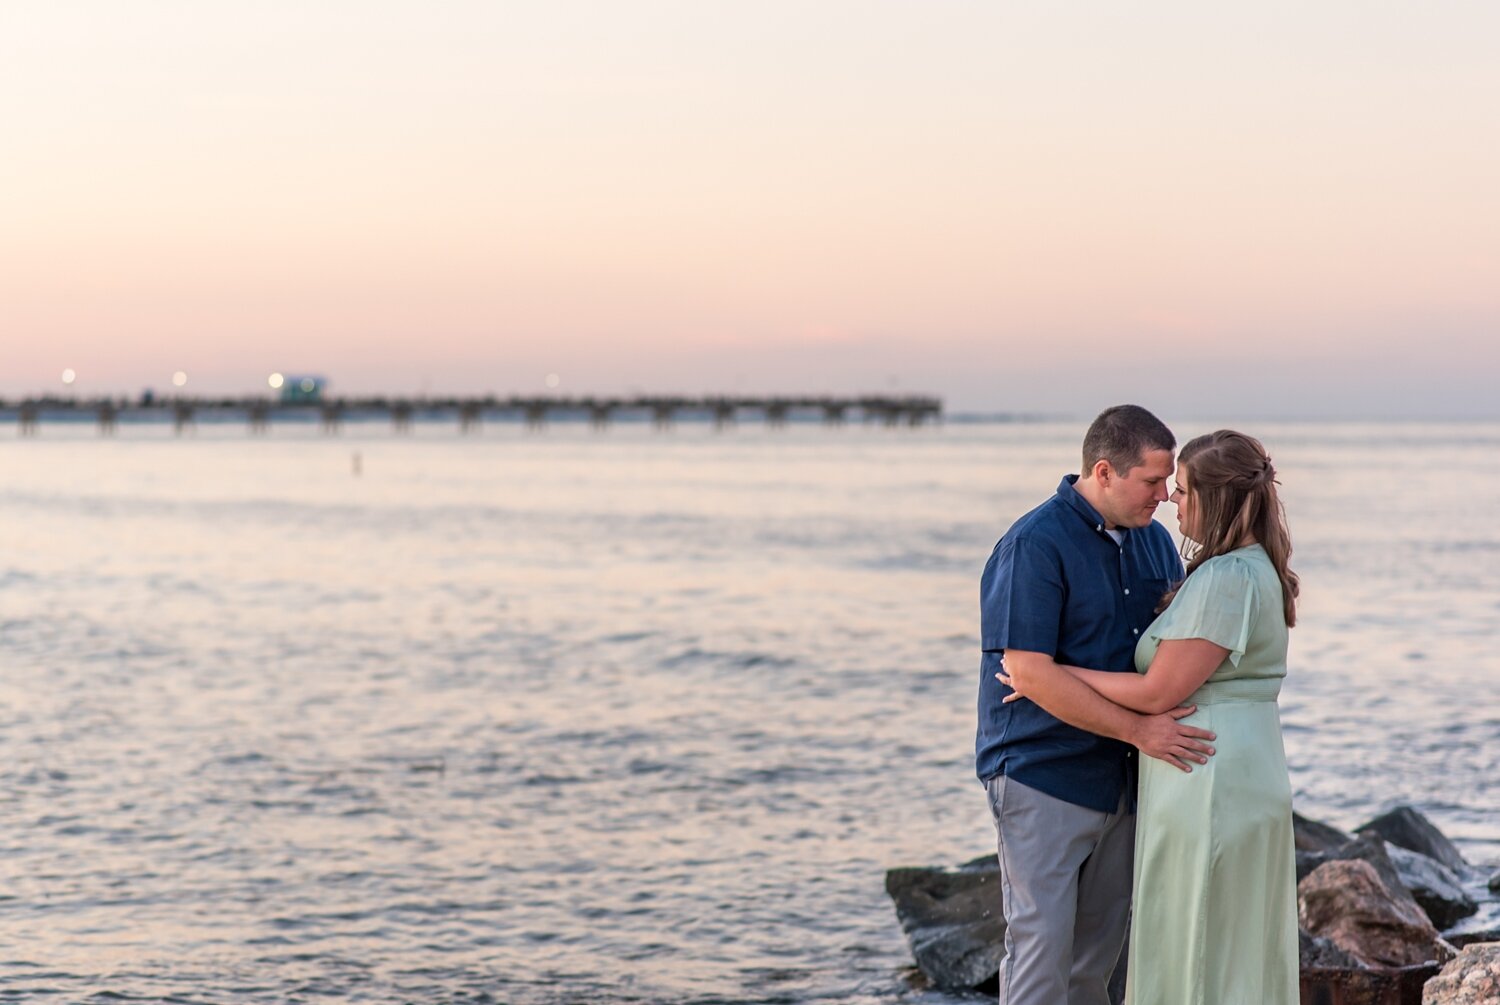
(1065, 877)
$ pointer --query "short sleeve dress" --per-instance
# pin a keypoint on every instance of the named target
(1215, 899)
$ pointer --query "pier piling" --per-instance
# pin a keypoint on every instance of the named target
(259, 414)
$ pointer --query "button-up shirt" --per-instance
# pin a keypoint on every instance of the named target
(1057, 583)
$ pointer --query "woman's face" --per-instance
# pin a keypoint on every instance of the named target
(1187, 505)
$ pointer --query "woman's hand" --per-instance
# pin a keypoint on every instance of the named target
(1015, 692)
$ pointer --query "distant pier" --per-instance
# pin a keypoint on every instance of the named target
(468, 415)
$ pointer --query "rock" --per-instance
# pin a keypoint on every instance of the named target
(1312, 835)
(1435, 887)
(1494, 883)
(1347, 902)
(1409, 829)
(1482, 926)
(1473, 978)
(1366, 849)
(1307, 861)
(1464, 938)
(952, 920)
(1365, 987)
(1322, 954)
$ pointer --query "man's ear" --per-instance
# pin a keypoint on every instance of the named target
(1103, 472)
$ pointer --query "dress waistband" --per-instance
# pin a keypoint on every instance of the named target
(1243, 689)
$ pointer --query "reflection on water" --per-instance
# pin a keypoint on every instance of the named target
(620, 717)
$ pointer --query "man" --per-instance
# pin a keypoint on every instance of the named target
(1075, 582)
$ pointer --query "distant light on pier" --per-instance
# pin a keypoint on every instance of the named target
(68, 376)
(179, 379)
(553, 380)
(275, 381)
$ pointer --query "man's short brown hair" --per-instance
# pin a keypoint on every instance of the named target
(1122, 435)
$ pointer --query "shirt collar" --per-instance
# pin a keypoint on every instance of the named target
(1067, 492)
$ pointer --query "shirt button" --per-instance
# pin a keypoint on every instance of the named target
(1098, 526)
(1127, 591)
(1135, 631)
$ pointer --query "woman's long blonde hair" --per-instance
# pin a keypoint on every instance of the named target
(1233, 485)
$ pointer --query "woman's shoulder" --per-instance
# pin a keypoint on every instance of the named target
(1240, 563)
(1247, 560)
(1232, 574)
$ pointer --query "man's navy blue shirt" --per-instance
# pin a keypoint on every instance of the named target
(1058, 584)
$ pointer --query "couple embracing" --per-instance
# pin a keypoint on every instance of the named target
(1129, 739)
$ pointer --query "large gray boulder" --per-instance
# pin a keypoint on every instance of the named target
(1348, 902)
(1436, 888)
(952, 920)
(1364, 849)
(1432, 886)
(1314, 835)
(1321, 954)
(1472, 978)
(1405, 827)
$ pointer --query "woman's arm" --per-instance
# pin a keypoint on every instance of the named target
(1161, 736)
(1181, 667)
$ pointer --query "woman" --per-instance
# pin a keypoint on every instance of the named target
(1215, 902)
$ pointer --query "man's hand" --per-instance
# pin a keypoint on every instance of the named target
(1166, 739)
(1015, 692)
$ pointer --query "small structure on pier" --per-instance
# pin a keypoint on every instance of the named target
(302, 390)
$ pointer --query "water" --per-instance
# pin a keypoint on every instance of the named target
(620, 717)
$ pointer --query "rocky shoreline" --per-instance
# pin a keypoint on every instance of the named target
(1389, 915)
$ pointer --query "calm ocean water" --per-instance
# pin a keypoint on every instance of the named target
(619, 717)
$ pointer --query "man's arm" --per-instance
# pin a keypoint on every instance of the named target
(1161, 736)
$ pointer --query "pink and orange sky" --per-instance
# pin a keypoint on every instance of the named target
(1266, 209)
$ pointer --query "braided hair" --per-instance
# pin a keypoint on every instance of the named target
(1233, 484)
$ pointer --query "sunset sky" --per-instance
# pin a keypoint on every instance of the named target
(1272, 209)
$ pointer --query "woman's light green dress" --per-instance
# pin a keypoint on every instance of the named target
(1215, 909)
